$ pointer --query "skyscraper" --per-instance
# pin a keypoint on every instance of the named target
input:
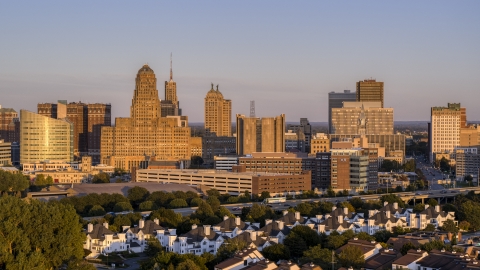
(445, 128)
(87, 120)
(218, 114)
(9, 124)
(335, 100)
(170, 106)
(145, 133)
(45, 138)
(265, 134)
(370, 90)
(362, 118)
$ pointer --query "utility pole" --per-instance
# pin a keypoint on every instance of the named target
(333, 260)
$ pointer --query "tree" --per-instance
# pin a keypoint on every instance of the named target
(187, 265)
(223, 211)
(351, 256)
(336, 241)
(464, 225)
(96, 210)
(357, 203)
(429, 228)
(409, 166)
(330, 192)
(178, 203)
(195, 202)
(196, 162)
(348, 205)
(167, 217)
(365, 236)
(101, 178)
(214, 203)
(317, 255)
(470, 211)
(153, 247)
(38, 235)
(419, 208)
(213, 192)
(137, 194)
(449, 226)
(276, 252)
(203, 211)
(307, 234)
(12, 183)
(382, 236)
(122, 206)
(432, 202)
(389, 165)
(304, 208)
(406, 247)
(392, 198)
(147, 206)
(41, 181)
(295, 244)
(265, 195)
(229, 247)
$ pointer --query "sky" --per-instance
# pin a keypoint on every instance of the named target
(285, 55)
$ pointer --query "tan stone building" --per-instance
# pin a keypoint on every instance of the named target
(265, 134)
(445, 126)
(196, 146)
(370, 90)
(218, 114)
(349, 169)
(5, 153)
(45, 138)
(170, 106)
(87, 120)
(470, 136)
(145, 133)
(320, 144)
(376, 119)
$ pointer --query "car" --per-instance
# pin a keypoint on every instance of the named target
(287, 205)
(443, 191)
(430, 192)
(418, 193)
(453, 191)
(235, 209)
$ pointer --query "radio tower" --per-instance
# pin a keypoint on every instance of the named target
(252, 108)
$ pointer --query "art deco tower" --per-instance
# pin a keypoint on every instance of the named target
(218, 114)
(370, 90)
(145, 133)
(170, 106)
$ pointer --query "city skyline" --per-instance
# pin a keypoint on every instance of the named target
(283, 56)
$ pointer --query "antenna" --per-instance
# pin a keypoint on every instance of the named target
(171, 72)
(252, 108)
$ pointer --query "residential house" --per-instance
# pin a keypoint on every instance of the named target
(409, 260)
(102, 240)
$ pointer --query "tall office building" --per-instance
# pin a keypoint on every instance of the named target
(45, 138)
(349, 169)
(145, 133)
(370, 90)
(87, 120)
(218, 114)
(9, 124)
(335, 100)
(170, 106)
(305, 131)
(5, 153)
(446, 123)
(362, 118)
(265, 134)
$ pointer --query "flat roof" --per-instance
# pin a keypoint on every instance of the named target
(211, 172)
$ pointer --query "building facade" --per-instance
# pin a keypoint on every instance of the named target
(265, 134)
(145, 133)
(5, 153)
(170, 106)
(304, 131)
(391, 143)
(213, 146)
(335, 100)
(87, 121)
(370, 90)
(9, 125)
(467, 162)
(347, 120)
(349, 169)
(218, 114)
(234, 183)
(320, 144)
(45, 138)
(445, 128)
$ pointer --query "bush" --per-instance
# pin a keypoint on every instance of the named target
(96, 210)
(122, 206)
(147, 206)
(178, 203)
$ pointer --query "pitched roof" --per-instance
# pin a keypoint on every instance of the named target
(331, 223)
(364, 245)
(150, 227)
(273, 229)
(411, 256)
(99, 232)
(198, 234)
(381, 218)
(230, 224)
(382, 260)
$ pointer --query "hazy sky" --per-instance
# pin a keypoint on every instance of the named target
(285, 55)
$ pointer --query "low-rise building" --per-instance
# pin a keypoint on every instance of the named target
(409, 260)
(5, 153)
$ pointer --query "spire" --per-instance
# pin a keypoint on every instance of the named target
(212, 86)
(217, 87)
(171, 71)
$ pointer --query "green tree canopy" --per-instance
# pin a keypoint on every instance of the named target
(96, 210)
(38, 235)
(449, 226)
(167, 217)
(41, 181)
(214, 202)
(137, 194)
(432, 202)
(122, 206)
(12, 183)
(296, 244)
(318, 255)
(430, 228)
(229, 247)
(351, 256)
(310, 236)
(178, 203)
(153, 247)
(101, 178)
(276, 252)
(147, 206)
(406, 247)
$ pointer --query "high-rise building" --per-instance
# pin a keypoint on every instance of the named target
(335, 100)
(362, 118)
(218, 114)
(87, 120)
(9, 124)
(349, 169)
(170, 106)
(370, 90)
(45, 138)
(265, 134)
(5, 153)
(145, 133)
(467, 162)
(320, 143)
(445, 128)
(305, 132)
